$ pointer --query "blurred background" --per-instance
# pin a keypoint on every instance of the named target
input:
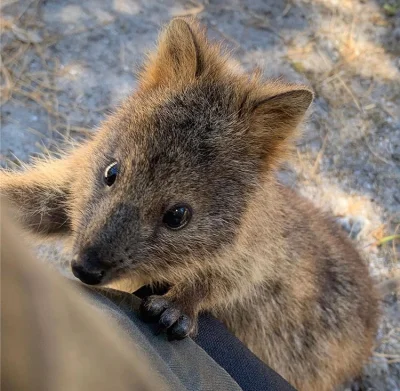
(66, 64)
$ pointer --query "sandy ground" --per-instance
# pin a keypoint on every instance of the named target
(66, 64)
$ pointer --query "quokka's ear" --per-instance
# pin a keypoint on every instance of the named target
(276, 115)
(178, 58)
(40, 196)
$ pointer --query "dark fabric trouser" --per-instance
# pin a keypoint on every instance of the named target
(250, 373)
(246, 369)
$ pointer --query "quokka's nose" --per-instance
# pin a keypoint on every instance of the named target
(88, 268)
(90, 277)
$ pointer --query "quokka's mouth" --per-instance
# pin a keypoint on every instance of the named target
(125, 280)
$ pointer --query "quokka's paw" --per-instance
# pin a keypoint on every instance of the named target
(171, 318)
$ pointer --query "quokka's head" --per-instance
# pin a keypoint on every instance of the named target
(166, 180)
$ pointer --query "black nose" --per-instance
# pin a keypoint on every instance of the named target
(88, 276)
(88, 268)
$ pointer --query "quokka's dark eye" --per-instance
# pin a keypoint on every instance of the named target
(177, 217)
(110, 173)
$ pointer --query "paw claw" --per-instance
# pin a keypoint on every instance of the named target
(170, 317)
(152, 307)
(181, 328)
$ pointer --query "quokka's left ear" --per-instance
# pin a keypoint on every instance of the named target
(276, 114)
(40, 196)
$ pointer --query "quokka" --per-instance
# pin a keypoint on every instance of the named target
(178, 187)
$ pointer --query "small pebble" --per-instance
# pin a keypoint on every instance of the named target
(352, 225)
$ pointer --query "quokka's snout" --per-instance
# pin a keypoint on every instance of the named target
(89, 267)
(106, 244)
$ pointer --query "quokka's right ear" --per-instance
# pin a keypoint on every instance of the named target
(276, 114)
(40, 196)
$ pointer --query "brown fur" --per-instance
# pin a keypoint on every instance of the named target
(266, 262)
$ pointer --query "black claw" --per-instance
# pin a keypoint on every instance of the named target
(170, 318)
(152, 307)
(181, 329)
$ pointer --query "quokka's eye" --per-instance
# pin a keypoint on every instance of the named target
(177, 217)
(110, 173)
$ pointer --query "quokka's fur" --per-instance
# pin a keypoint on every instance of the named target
(265, 261)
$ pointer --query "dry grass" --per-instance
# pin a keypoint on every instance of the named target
(29, 73)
